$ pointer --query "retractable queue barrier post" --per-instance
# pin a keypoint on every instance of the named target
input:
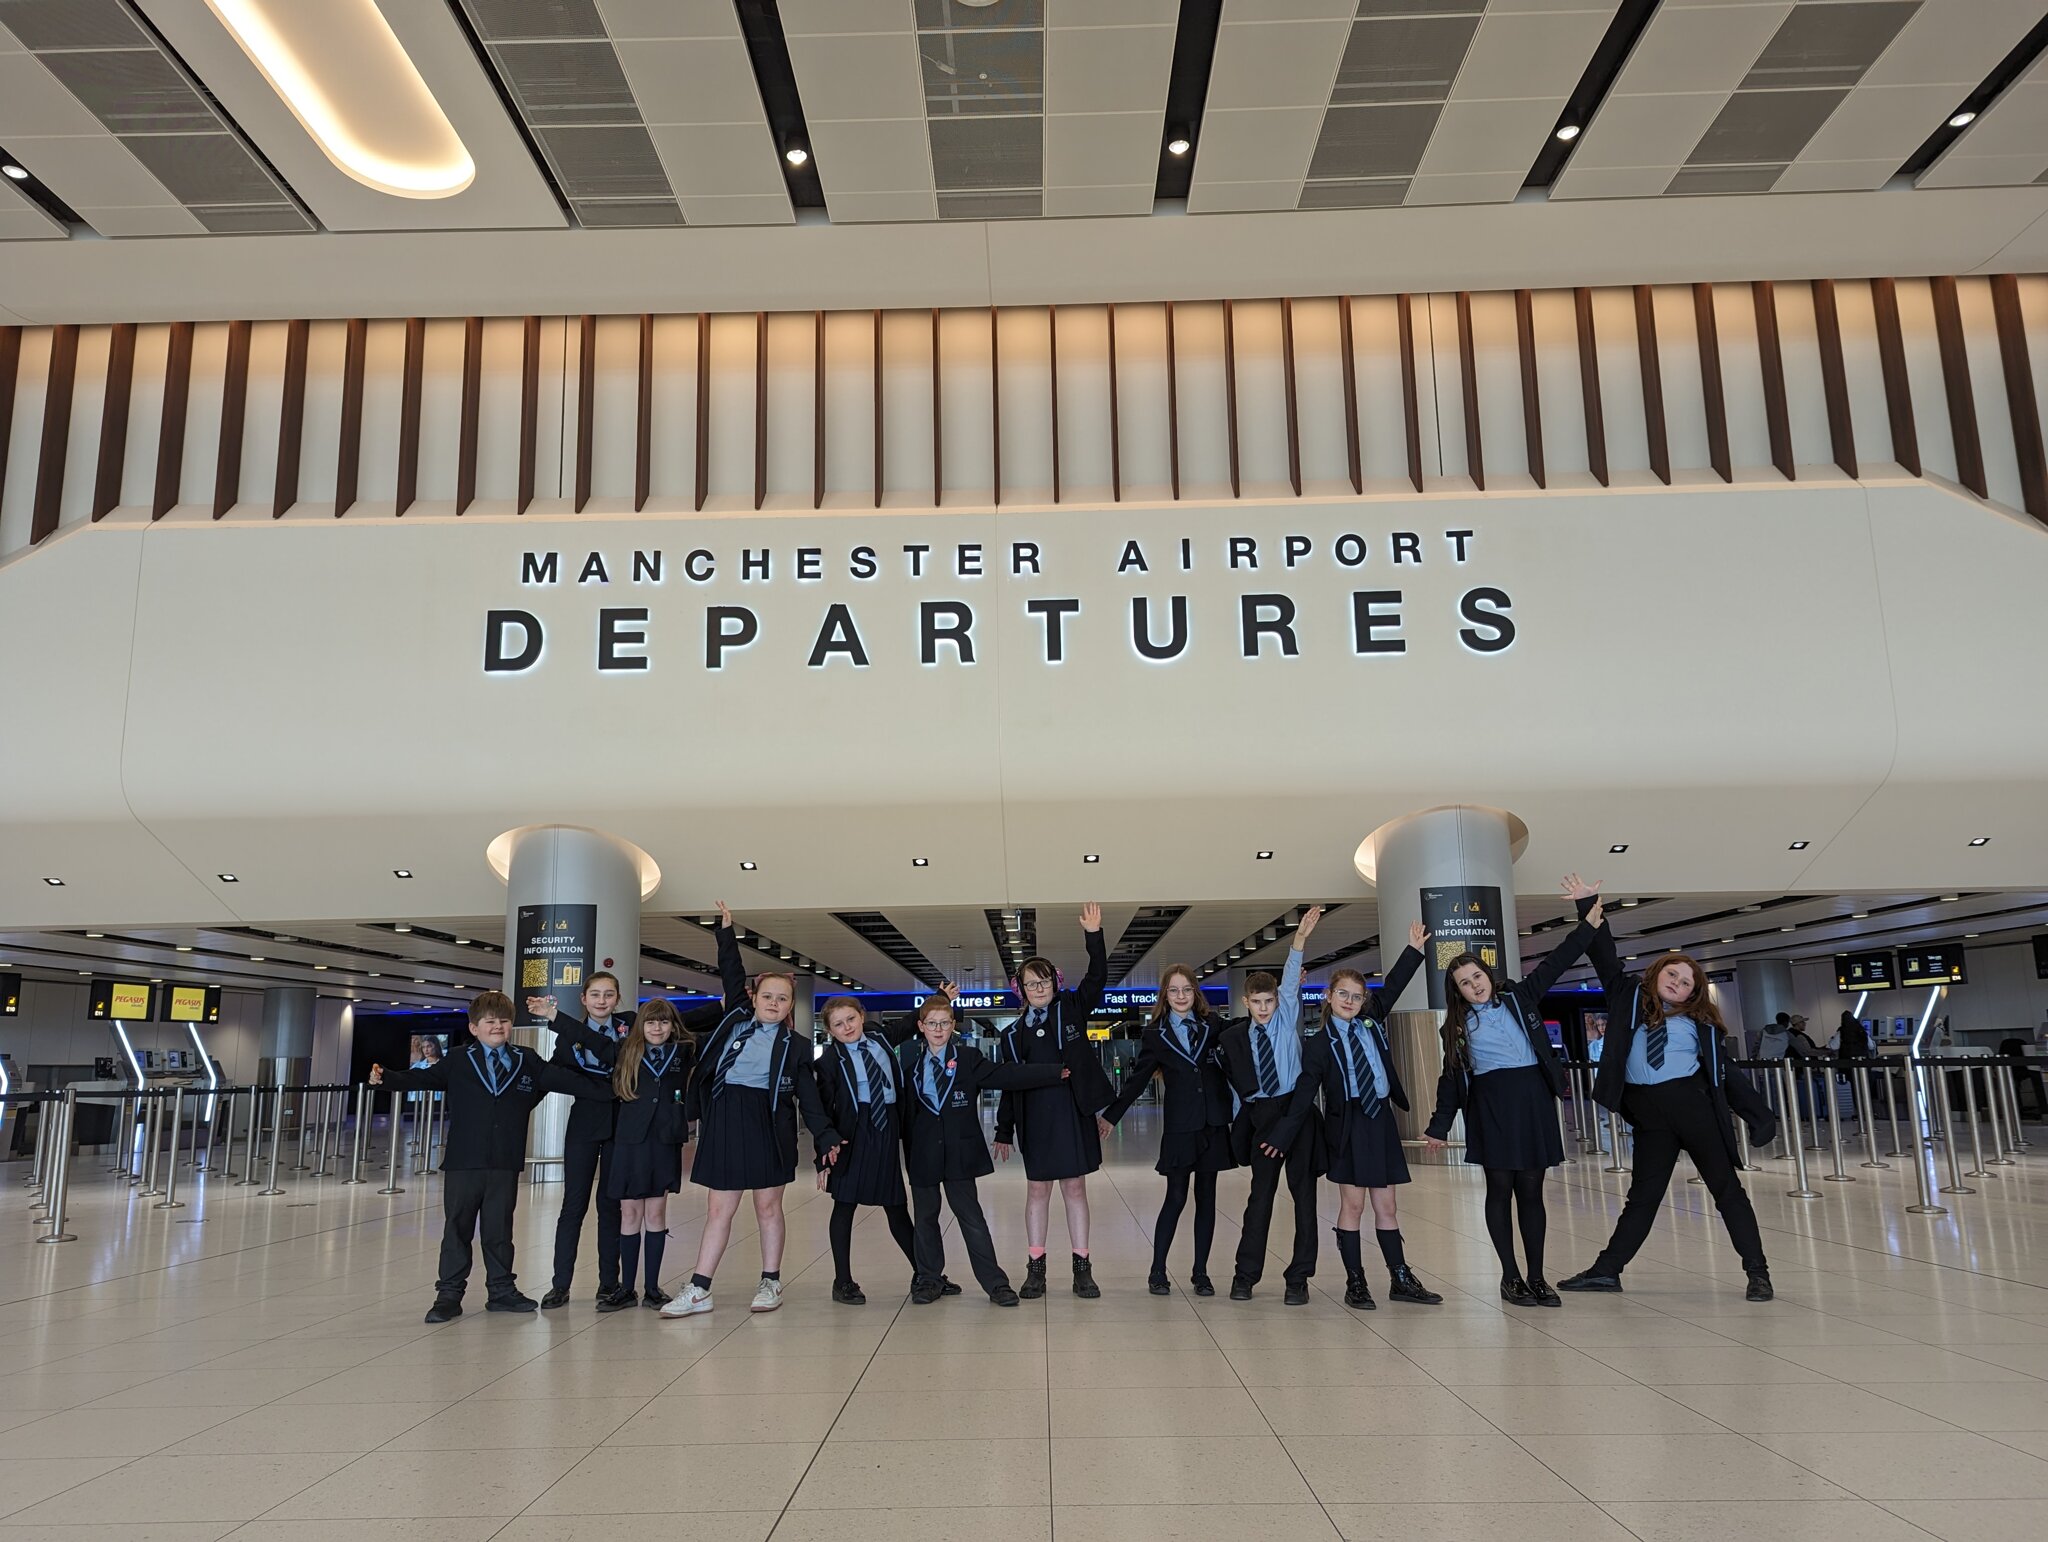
(250, 1138)
(170, 1201)
(124, 1134)
(39, 1168)
(276, 1140)
(2012, 1089)
(1955, 1184)
(152, 1137)
(323, 1102)
(1915, 1097)
(1891, 1107)
(1794, 1139)
(439, 1149)
(337, 1121)
(1976, 1132)
(64, 1109)
(1867, 1119)
(355, 1160)
(391, 1185)
(1564, 1139)
(1615, 1164)
(1747, 1163)
(1834, 1131)
(299, 1115)
(1810, 1085)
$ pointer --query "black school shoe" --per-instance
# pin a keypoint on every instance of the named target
(515, 1302)
(1034, 1278)
(1159, 1284)
(1296, 1295)
(1404, 1286)
(445, 1309)
(654, 1298)
(1514, 1290)
(847, 1293)
(555, 1299)
(1203, 1285)
(1592, 1279)
(924, 1292)
(947, 1287)
(1541, 1293)
(1084, 1279)
(1002, 1296)
(1240, 1288)
(619, 1299)
(1760, 1287)
(1358, 1294)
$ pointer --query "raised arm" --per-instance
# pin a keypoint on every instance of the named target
(1087, 996)
(1539, 981)
(1287, 1016)
(732, 969)
(1380, 1002)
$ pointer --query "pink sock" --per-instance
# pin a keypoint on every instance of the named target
(1034, 1252)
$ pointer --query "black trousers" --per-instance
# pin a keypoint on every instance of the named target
(1299, 1167)
(1670, 1117)
(587, 1163)
(965, 1204)
(478, 1202)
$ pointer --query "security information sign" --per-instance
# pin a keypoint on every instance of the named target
(552, 950)
(1465, 919)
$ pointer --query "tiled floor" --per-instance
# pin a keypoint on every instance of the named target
(257, 1368)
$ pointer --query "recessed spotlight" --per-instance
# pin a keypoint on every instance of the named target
(257, 958)
(796, 155)
(462, 942)
(1968, 935)
(1962, 119)
(1178, 145)
(1788, 928)
(401, 927)
(1726, 940)
(18, 173)
(317, 968)
(1615, 851)
(748, 867)
(227, 878)
(1091, 856)
(1982, 840)
(1567, 132)
(1859, 915)
(1265, 856)
(58, 883)
(1950, 899)
(419, 982)
(184, 947)
(95, 935)
(376, 974)
(1799, 845)
(920, 862)
(85, 971)
(1630, 904)
(401, 872)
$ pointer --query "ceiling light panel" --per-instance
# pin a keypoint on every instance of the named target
(1402, 101)
(115, 127)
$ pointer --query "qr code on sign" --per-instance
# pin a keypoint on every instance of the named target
(533, 974)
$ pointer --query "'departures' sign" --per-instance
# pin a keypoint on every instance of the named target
(1160, 598)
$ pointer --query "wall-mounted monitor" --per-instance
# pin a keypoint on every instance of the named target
(10, 995)
(1937, 964)
(121, 1001)
(190, 1003)
(1865, 971)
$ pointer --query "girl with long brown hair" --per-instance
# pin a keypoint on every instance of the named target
(1664, 1068)
(1180, 1045)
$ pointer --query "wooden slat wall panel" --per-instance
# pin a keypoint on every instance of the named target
(1354, 460)
(1532, 396)
(1116, 449)
(703, 487)
(995, 404)
(1410, 409)
(348, 465)
(1711, 385)
(10, 370)
(291, 419)
(878, 415)
(170, 439)
(1468, 377)
(1653, 383)
(1898, 386)
(1230, 395)
(1955, 377)
(529, 410)
(643, 416)
(472, 401)
(234, 404)
(2017, 363)
(938, 422)
(1293, 409)
(1589, 386)
(1052, 343)
(586, 405)
(760, 408)
(818, 410)
(56, 443)
(1771, 354)
(1172, 403)
(1834, 375)
(106, 487)
(412, 381)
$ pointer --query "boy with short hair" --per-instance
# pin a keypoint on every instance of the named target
(492, 1086)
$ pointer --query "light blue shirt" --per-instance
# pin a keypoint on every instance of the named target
(1353, 1030)
(1180, 1032)
(862, 1052)
(1283, 1033)
(757, 1061)
(1494, 1039)
(1681, 1053)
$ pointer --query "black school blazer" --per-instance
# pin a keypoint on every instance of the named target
(1062, 1041)
(1321, 1073)
(656, 1110)
(1524, 998)
(838, 1091)
(487, 1132)
(1197, 1090)
(948, 1146)
(1730, 1095)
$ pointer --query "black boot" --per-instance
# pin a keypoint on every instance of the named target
(1404, 1286)
(1034, 1279)
(1084, 1280)
(1357, 1293)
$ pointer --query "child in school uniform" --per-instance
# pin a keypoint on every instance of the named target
(650, 1072)
(946, 1149)
(859, 1082)
(1181, 1045)
(1353, 1066)
(492, 1086)
(752, 1081)
(1057, 1126)
(1270, 1134)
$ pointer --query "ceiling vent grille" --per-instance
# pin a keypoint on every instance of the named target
(880, 933)
(1400, 62)
(1143, 932)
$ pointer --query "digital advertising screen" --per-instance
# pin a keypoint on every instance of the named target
(1865, 971)
(191, 1003)
(123, 1001)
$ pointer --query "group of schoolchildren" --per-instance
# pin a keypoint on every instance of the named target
(894, 1119)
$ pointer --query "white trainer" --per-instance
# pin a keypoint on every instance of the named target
(692, 1300)
(768, 1297)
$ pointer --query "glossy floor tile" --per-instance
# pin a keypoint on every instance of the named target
(257, 1369)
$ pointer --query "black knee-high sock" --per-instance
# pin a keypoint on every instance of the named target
(842, 1243)
(1529, 1211)
(1390, 1248)
(629, 1260)
(1169, 1219)
(1205, 1219)
(901, 1228)
(1348, 1250)
(1500, 1190)
(655, 1242)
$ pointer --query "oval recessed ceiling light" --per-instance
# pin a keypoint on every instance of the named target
(920, 862)
(1264, 856)
(18, 173)
(797, 155)
(1963, 119)
(748, 867)
(1092, 856)
(1179, 145)
(1567, 132)
(349, 81)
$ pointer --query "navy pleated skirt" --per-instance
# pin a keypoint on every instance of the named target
(736, 1143)
(1511, 1120)
(1057, 1139)
(1206, 1150)
(1368, 1152)
(869, 1170)
(645, 1169)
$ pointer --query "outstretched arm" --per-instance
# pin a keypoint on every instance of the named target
(732, 969)
(1088, 994)
(1381, 1002)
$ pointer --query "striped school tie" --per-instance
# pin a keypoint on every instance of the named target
(1659, 1037)
(1262, 1061)
(733, 1048)
(1366, 1087)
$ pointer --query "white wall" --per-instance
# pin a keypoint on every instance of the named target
(2003, 996)
(54, 1030)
